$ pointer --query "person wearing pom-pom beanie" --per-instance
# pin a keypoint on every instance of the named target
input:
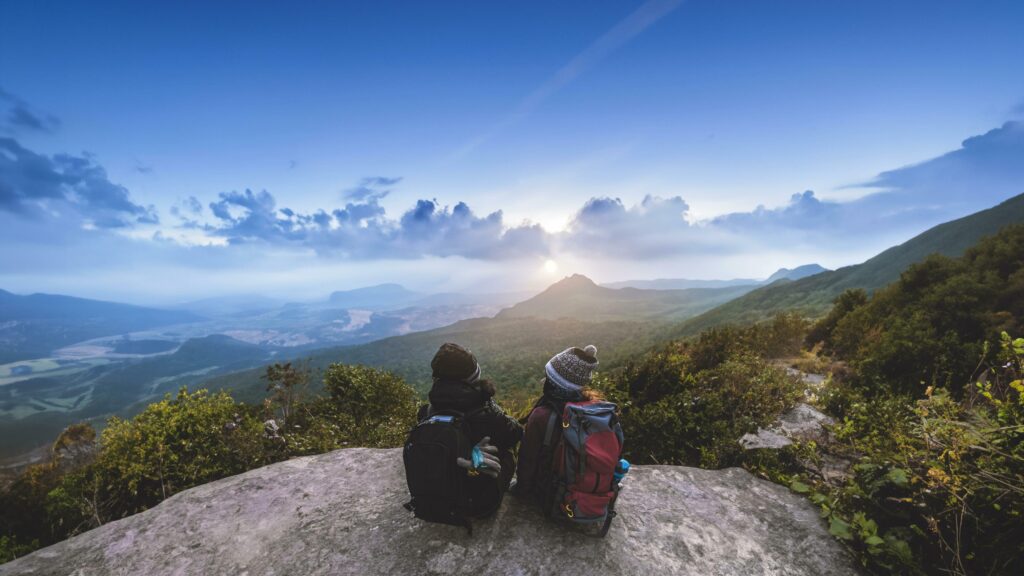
(567, 378)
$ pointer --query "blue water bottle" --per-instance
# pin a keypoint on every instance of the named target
(621, 470)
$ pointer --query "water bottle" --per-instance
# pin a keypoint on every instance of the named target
(621, 470)
(478, 458)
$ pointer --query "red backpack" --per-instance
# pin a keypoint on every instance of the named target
(585, 443)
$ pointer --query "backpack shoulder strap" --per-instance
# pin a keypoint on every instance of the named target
(556, 413)
(549, 432)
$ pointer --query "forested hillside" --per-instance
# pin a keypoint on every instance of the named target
(512, 352)
(812, 296)
(514, 346)
(928, 393)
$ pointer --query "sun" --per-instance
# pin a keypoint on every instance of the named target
(550, 266)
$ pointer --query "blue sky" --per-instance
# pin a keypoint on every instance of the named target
(460, 145)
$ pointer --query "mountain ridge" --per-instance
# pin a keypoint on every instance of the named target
(813, 295)
(579, 297)
(684, 283)
(33, 325)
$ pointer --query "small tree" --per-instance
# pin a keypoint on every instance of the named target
(176, 444)
(377, 406)
(286, 384)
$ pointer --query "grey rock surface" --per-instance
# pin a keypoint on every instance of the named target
(803, 422)
(341, 513)
(800, 423)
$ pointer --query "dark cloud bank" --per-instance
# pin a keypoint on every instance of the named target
(36, 186)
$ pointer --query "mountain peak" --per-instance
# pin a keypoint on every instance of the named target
(381, 296)
(796, 273)
(574, 282)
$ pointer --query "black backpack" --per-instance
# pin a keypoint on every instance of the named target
(442, 491)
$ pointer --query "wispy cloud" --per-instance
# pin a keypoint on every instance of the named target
(628, 28)
(19, 116)
(1018, 110)
(375, 187)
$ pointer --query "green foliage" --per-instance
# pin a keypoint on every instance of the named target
(376, 407)
(931, 327)
(175, 444)
(10, 548)
(823, 329)
(285, 385)
(939, 483)
(690, 403)
(939, 486)
(194, 438)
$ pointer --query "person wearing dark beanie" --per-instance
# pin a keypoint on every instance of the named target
(458, 385)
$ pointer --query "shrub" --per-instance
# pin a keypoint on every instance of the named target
(678, 409)
(940, 483)
(375, 407)
(176, 444)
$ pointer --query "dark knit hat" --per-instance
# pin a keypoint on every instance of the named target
(571, 369)
(453, 362)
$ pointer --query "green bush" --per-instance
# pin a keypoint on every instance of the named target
(378, 407)
(822, 330)
(931, 327)
(11, 549)
(939, 485)
(176, 444)
(690, 403)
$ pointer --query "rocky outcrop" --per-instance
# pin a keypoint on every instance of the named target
(800, 423)
(341, 513)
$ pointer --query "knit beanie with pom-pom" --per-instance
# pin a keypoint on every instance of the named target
(571, 369)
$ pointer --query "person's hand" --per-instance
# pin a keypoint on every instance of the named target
(485, 459)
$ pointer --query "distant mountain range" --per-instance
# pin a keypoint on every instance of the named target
(684, 283)
(580, 298)
(381, 296)
(34, 325)
(221, 306)
(813, 295)
(389, 297)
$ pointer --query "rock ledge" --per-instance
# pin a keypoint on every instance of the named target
(341, 513)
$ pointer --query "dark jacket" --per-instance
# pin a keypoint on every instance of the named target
(492, 421)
